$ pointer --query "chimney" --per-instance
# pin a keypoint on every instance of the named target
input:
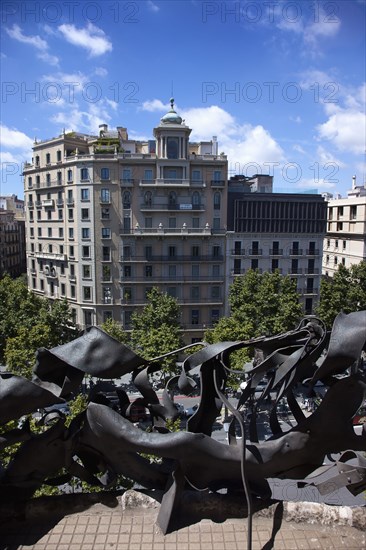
(103, 128)
(215, 145)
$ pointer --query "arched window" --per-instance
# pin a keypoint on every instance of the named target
(217, 201)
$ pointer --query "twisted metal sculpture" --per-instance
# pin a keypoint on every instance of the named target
(103, 441)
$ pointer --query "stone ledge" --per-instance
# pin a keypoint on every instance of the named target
(194, 505)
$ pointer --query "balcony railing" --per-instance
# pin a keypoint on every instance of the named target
(166, 278)
(48, 203)
(238, 252)
(175, 206)
(312, 251)
(296, 251)
(276, 251)
(176, 258)
(171, 231)
(255, 252)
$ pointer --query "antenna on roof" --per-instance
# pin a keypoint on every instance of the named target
(172, 94)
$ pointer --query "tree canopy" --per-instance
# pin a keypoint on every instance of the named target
(345, 291)
(156, 329)
(28, 322)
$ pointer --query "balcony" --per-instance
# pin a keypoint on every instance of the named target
(48, 203)
(255, 252)
(169, 231)
(172, 182)
(177, 207)
(72, 278)
(50, 256)
(70, 201)
(30, 204)
(127, 182)
(296, 251)
(312, 251)
(238, 252)
(177, 258)
(38, 204)
(314, 271)
(60, 202)
(237, 272)
(218, 183)
(276, 252)
(175, 279)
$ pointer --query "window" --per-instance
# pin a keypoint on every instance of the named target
(217, 201)
(215, 315)
(172, 271)
(48, 158)
(107, 315)
(49, 215)
(127, 223)
(59, 156)
(310, 285)
(29, 181)
(335, 260)
(195, 251)
(195, 316)
(340, 212)
(148, 223)
(195, 223)
(39, 231)
(237, 266)
(148, 270)
(60, 215)
(106, 272)
(172, 198)
(107, 295)
(63, 289)
(31, 232)
(106, 254)
(126, 175)
(196, 175)
(216, 251)
(88, 318)
(148, 175)
(105, 195)
(42, 284)
(254, 264)
(84, 174)
(71, 251)
(216, 223)
(217, 175)
(38, 214)
(344, 245)
(127, 252)
(126, 199)
(85, 251)
(172, 147)
(171, 251)
(71, 233)
(172, 223)
(308, 306)
(49, 232)
(172, 291)
(37, 160)
(216, 270)
(86, 271)
(85, 233)
(215, 292)
(59, 178)
(195, 292)
(69, 175)
(38, 181)
(336, 243)
(84, 194)
(274, 265)
(105, 213)
(70, 214)
(148, 198)
(85, 213)
(50, 248)
(276, 247)
(87, 294)
(127, 271)
(106, 233)
(104, 174)
(339, 226)
(48, 179)
(195, 270)
(31, 216)
(196, 200)
(353, 212)
(148, 252)
(294, 266)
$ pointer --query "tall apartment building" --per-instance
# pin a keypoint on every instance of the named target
(275, 231)
(108, 218)
(345, 240)
(12, 244)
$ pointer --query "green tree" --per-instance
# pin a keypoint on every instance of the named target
(28, 322)
(261, 305)
(156, 329)
(345, 291)
(114, 329)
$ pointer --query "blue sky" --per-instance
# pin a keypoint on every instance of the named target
(281, 84)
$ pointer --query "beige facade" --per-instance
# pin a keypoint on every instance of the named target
(108, 218)
(345, 241)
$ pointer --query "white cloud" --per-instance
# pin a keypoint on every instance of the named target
(100, 71)
(152, 6)
(155, 105)
(296, 119)
(14, 139)
(36, 41)
(345, 128)
(91, 38)
(326, 158)
(87, 120)
(299, 149)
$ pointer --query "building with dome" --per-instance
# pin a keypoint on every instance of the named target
(109, 218)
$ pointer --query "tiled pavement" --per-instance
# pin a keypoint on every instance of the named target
(101, 528)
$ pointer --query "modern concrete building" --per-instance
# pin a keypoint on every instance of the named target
(275, 231)
(108, 218)
(345, 240)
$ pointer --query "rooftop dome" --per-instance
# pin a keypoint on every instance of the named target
(171, 117)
